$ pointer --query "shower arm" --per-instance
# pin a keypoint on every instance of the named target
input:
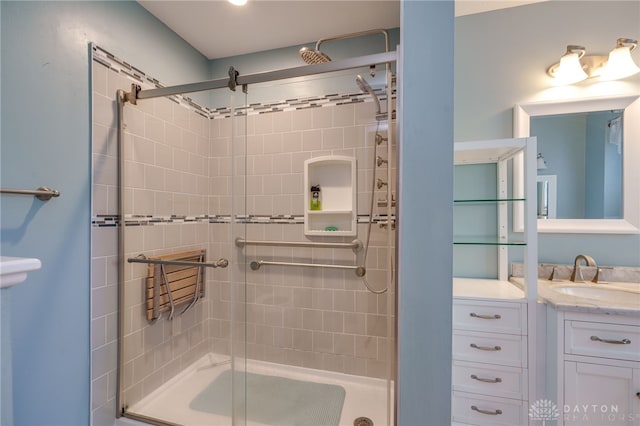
(358, 34)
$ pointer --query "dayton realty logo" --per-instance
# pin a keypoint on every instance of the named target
(544, 410)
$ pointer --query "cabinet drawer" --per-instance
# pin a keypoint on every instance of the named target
(499, 317)
(485, 410)
(507, 382)
(491, 348)
(602, 340)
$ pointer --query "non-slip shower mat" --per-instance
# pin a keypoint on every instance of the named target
(273, 400)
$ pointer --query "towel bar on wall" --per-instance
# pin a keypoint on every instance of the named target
(43, 193)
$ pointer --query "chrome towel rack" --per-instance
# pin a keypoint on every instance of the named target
(355, 245)
(360, 271)
(43, 193)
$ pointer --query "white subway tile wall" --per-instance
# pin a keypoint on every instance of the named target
(179, 166)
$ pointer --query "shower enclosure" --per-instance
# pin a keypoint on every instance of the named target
(239, 303)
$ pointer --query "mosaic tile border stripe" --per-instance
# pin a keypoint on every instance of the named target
(101, 221)
(120, 66)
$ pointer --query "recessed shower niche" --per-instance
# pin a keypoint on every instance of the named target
(330, 196)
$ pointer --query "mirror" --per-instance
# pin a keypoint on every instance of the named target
(623, 219)
(583, 151)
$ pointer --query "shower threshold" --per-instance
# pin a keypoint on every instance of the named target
(172, 402)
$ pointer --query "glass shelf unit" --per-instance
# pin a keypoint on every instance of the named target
(483, 201)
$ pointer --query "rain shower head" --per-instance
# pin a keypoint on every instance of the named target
(313, 56)
(365, 87)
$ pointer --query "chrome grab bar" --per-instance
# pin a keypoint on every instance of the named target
(360, 271)
(43, 193)
(220, 263)
(355, 245)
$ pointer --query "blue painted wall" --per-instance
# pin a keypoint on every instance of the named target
(425, 213)
(46, 141)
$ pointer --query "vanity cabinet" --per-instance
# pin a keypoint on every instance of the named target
(598, 369)
(494, 323)
(489, 372)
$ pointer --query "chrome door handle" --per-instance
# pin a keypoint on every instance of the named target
(474, 315)
(613, 342)
(485, 348)
(481, 379)
(490, 413)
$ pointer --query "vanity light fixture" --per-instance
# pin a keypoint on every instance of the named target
(574, 66)
(541, 164)
(238, 2)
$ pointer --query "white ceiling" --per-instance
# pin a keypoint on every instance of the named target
(217, 29)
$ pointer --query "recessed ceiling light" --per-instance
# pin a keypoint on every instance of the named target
(238, 2)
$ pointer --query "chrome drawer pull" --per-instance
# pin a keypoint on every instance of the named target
(485, 348)
(474, 315)
(614, 342)
(490, 413)
(480, 379)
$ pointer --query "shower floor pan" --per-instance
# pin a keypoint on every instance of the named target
(364, 397)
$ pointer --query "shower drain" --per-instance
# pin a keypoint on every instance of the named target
(363, 421)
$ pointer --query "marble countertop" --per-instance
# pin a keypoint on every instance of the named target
(491, 289)
(547, 294)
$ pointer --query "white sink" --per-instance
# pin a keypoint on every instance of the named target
(13, 270)
(600, 292)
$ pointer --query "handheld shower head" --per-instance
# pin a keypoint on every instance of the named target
(365, 87)
(313, 56)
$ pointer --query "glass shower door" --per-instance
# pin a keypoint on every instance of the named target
(310, 344)
(238, 228)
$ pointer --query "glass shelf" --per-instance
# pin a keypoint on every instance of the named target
(492, 200)
(485, 241)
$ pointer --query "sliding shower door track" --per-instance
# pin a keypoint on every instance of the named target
(262, 77)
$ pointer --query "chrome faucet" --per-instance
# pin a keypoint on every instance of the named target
(576, 275)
